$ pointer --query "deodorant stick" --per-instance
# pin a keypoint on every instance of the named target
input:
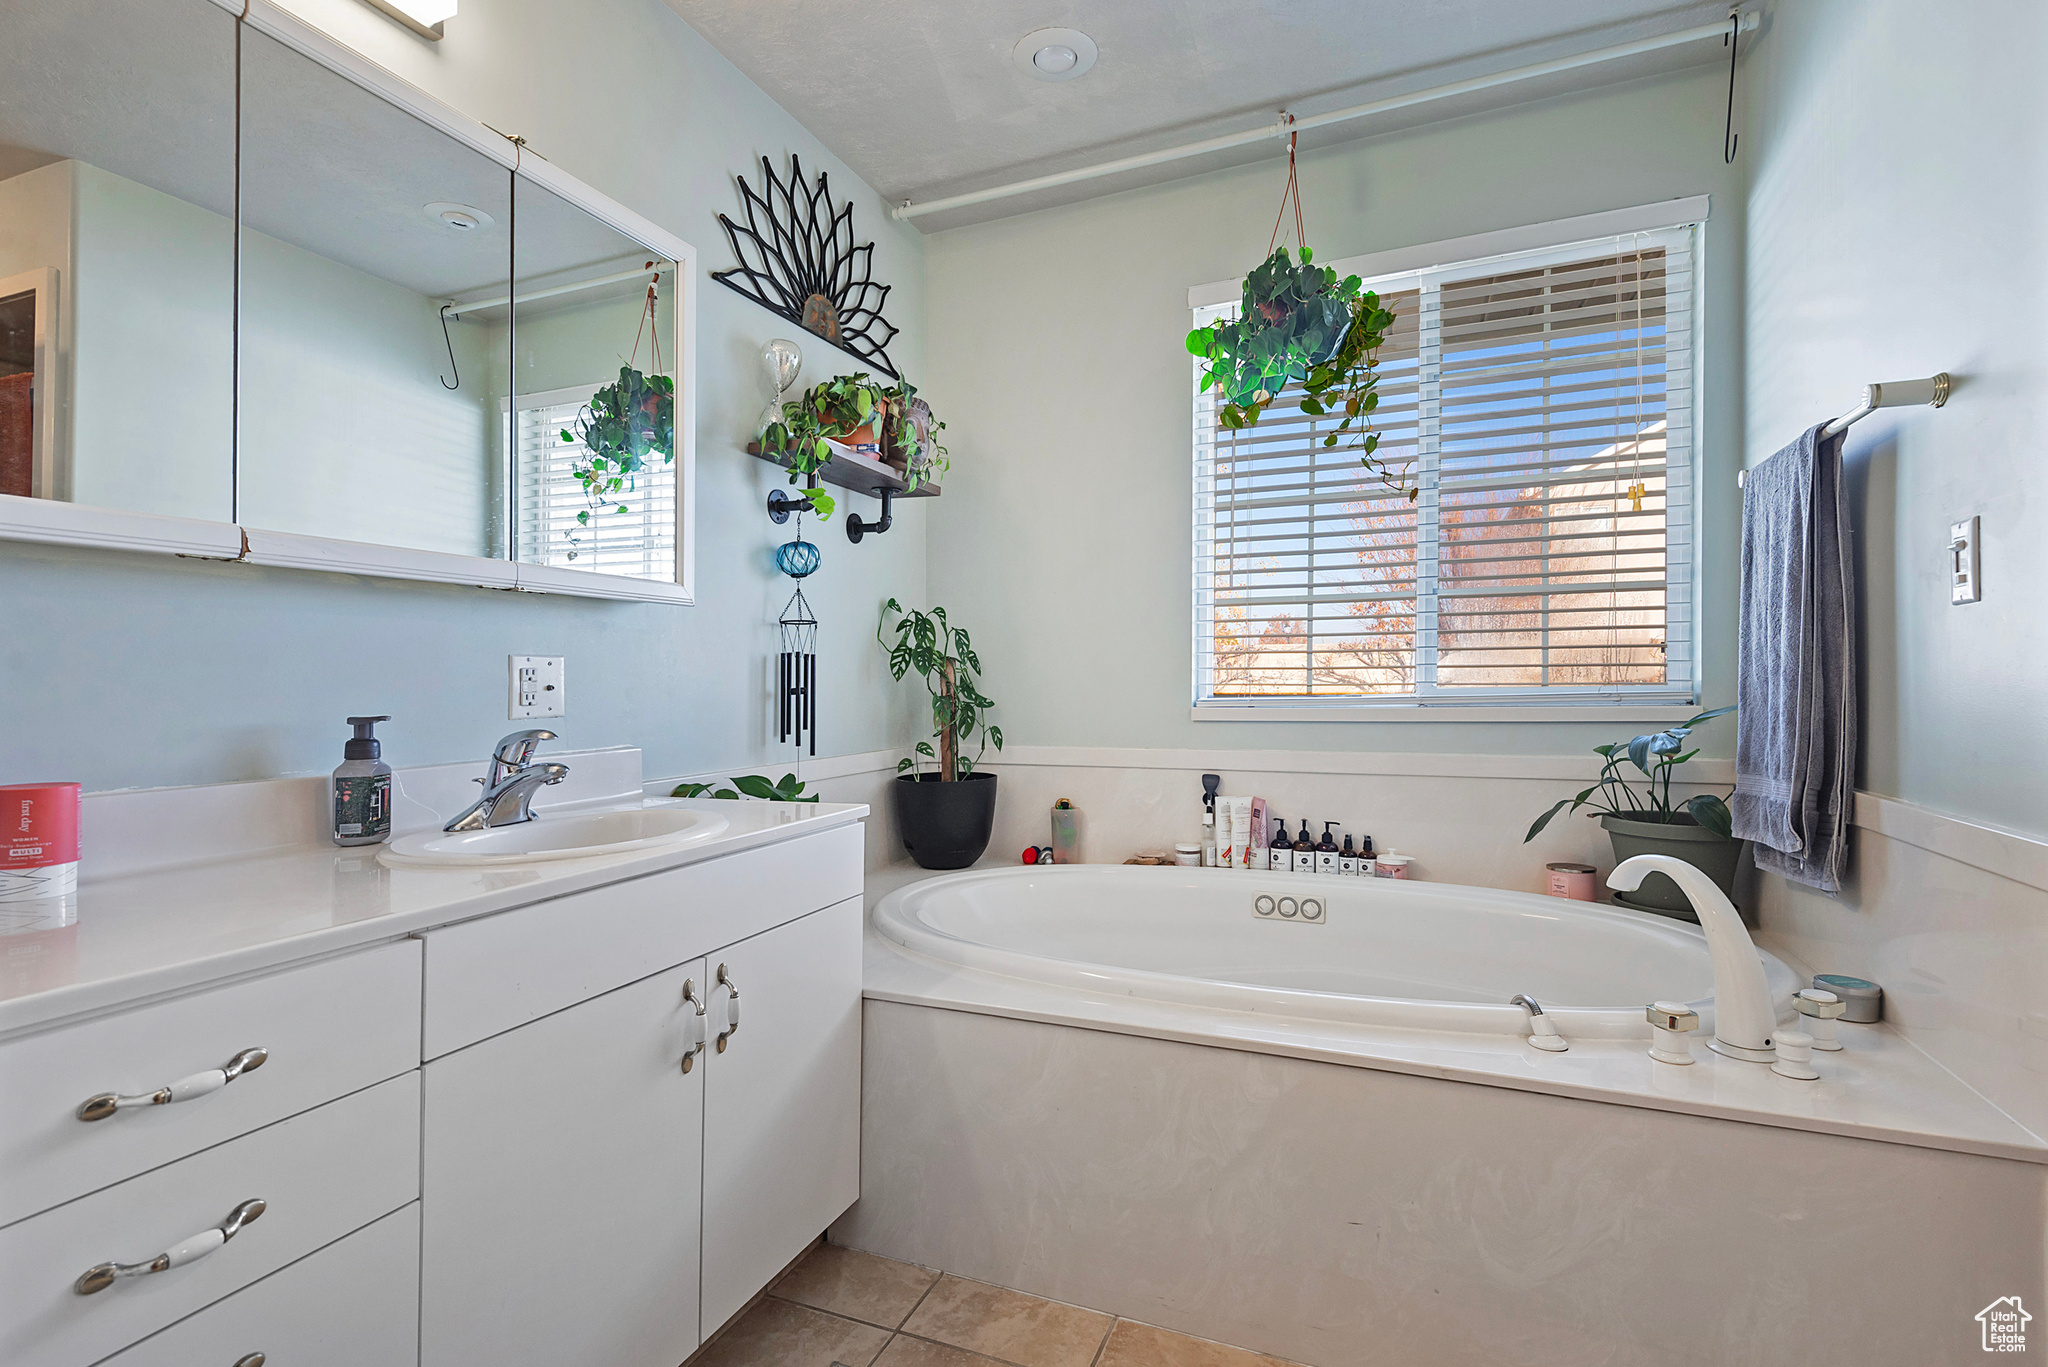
(38, 841)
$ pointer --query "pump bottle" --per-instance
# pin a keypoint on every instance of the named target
(1326, 851)
(359, 793)
(1304, 850)
(1279, 854)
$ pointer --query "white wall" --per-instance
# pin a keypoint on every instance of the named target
(1898, 158)
(1063, 540)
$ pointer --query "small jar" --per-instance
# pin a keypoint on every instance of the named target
(1574, 881)
(1187, 856)
(1392, 866)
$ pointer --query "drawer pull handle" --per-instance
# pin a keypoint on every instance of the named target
(693, 1024)
(191, 1250)
(184, 1089)
(732, 1008)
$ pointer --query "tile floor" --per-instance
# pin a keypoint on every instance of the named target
(841, 1308)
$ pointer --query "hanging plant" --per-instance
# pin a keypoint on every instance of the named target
(834, 410)
(624, 427)
(1299, 324)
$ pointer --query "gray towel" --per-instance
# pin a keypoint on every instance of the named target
(1795, 736)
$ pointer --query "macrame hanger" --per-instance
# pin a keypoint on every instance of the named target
(648, 315)
(1290, 195)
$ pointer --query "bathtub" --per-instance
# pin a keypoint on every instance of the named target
(1375, 952)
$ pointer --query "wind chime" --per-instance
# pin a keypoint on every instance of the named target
(796, 670)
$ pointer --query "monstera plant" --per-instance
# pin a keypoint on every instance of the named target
(623, 429)
(1299, 324)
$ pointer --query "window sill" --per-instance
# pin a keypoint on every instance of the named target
(1659, 712)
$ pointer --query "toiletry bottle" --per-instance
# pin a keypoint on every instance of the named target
(1326, 851)
(1211, 858)
(1347, 861)
(1260, 859)
(1280, 854)
(359, 794)
(1368, 862)
(1304, 850)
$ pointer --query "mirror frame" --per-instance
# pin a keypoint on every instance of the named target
(50, 522)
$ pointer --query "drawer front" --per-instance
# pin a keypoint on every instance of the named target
(490, 975)
(322, 1174)
(330, 1028)
(352, 1304)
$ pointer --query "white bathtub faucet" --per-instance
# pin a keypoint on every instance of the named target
(1745, 1022)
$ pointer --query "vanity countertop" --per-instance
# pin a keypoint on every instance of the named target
(257, 888)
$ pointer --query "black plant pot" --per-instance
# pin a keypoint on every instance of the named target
(945, 825)
(1682, 838)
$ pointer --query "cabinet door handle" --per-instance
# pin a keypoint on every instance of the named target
(104, 1275)
(732, 1008)
(251, 1360)
(184, 1089)
(693, 1025)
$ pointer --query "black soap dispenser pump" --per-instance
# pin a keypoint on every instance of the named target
(359, 793)
(1326, 851)
(1304, 850)
(1279, 854)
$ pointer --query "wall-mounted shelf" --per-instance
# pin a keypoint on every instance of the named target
(851, 470)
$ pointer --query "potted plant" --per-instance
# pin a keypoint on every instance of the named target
(623, 428)
(910, 437)
(1697, 830)
(845, 411)
(945, 815)
(1300, 324)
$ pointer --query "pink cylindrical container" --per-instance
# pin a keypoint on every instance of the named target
(1571, 880)
(38, 841)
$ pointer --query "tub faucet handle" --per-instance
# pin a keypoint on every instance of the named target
(1822, 1009)
(1542, 1033)
(1670, 1023)
(1795, 1056)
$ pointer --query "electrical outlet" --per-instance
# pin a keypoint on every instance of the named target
(1964, 563)
(538, 689)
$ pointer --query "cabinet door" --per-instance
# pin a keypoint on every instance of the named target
(352, 1304)
(561, 1196)
(782, 1100)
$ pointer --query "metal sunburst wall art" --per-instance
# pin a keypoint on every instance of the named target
(798, 261)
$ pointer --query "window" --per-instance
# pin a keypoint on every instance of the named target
(631, 531)
(1541, 403)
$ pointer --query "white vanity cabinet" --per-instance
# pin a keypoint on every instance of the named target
(585, 1199)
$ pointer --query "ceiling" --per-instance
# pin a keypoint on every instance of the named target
(923, 100)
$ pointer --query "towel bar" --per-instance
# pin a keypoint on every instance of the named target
(1932, 391)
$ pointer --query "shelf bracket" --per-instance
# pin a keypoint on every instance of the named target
(781, 505)
(856, 528)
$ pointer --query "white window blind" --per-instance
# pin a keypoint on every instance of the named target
(640, 541)
(1526, 396)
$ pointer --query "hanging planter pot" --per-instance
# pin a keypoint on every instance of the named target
(627, 428)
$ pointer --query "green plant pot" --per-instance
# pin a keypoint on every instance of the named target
(1681, 838)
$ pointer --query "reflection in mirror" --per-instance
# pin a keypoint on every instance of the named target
(117, 254)
(593, 422)
(362, 418)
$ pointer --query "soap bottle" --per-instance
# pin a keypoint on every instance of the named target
(1210, 856)
(359, 794)
(1326, 851)
(1347, 860)
(1368, 862)
(1304, 850)
(1280, 854)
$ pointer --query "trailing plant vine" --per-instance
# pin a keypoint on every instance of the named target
(828, 411)
(624, 426)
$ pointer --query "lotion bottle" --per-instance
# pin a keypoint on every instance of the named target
(1280, 854)
(1347, 860)
(359, 793)
(1304, 850)
(1326, 851)
(1368, 862)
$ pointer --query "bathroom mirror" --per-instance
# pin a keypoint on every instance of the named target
(356, 409)
(117, 166)
(362, 418)
(591, 421)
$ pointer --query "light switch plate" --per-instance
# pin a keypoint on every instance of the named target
(1964, 584)
(538, 688)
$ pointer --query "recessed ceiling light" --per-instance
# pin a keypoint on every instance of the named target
(1054, 54)
(462, 218)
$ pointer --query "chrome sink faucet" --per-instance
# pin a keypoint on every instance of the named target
(510, 784)
(1745, 1019)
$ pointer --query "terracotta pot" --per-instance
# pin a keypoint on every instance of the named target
(1681, 838)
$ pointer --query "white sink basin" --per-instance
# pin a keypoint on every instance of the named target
(632, 830)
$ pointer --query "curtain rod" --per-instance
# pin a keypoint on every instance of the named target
(1932, 391)
(528, 296)
(1286, 124)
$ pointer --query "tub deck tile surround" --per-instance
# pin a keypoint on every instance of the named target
(840, 1307)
